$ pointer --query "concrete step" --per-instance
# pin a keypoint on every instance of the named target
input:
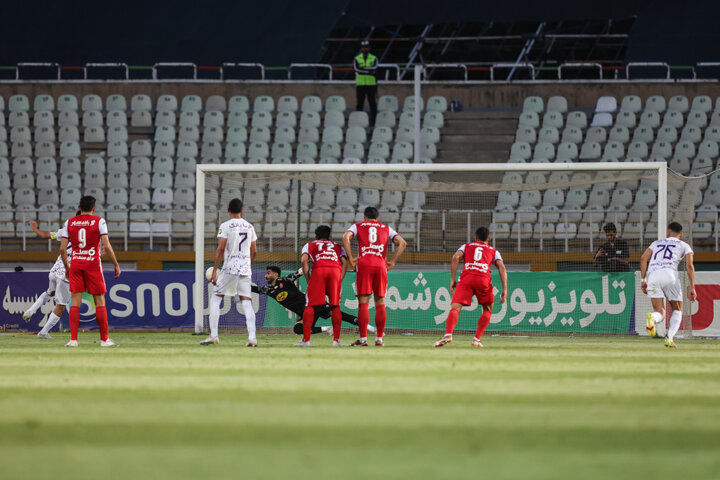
(478, 156)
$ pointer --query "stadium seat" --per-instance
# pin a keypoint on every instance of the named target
(116, 118)
(91, 102)
(215, 103)
(702, 103)
(141, 148)
(334, 119)
(18, 119)
(567, 151)
(310, 103)
(430, 134)
(165, 118)
(191, 103)
(606, 104)
(526, 134)
(631, 104)
(213, 134)
(70, 197)
(637, 150)
(18, 103)
(310, 120)
(43, 119)
(239, 103)
(264, 103)
(523, 230)
(47, 149)
(565, 231)
(619, 134)
(115, 102)
(388, 103)
(544, 150)
(701, 165)
(697, 119)
(533, 104)
(437, 104)
(685, 149)
(643, 134)
(549, 135)
(691, 134)
(409, 104)
(661, 149)
(602, 120)
(20, 134)
(557, 104)
(614, 150)
(655, 103)
(590, 151)
(667, 134)
(359, 119)
(335, 103)
(67, 103)
(708, 149)
(650, 119)
(330, 150)
(163, 164)
(529, 119)
(680, 165)
(552, 119)
(626, 119)
(572, 134)
(679, 103)
(308, 134)
(287, 119)
(405, 134)
(673, 118)
(433, 119)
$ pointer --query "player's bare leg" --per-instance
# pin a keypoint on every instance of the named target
(450, 324)
(380, 320)
(363, 320)
(213, 320)
(675, 321)
(656, 316)
(483, 323)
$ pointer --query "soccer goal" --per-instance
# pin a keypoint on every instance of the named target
(546, 219)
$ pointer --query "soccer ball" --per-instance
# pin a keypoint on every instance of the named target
(208, 274)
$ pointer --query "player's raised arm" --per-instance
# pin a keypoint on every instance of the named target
(347, 237)
(44, 234)
(643, 268)
(503, 279)
(457, 259)
(107, 248)
(690, 265)
(401, 244)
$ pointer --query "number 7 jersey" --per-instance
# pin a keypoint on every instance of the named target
(667, 253)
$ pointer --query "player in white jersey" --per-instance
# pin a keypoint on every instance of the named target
(58, 286)
(237, 247)
(660, 262)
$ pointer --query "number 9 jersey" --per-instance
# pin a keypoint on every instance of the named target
(86, 275)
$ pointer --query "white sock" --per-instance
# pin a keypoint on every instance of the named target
(249, 318)
(363, 339)
(38, 303)
(675, 321)
(214, 319)
(51, 322)
(325, 329)
(371, 329)
(657, 316)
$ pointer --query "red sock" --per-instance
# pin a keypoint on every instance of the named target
(74, 321)
(483, 323)
(308, 320)
(380, 319)
(452, 321)
(102, 321)
(336, 316)
(363, 319)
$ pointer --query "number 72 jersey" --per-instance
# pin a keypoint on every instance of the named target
(668, 253)
(84, 232)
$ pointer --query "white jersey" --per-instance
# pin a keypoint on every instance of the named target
(667, 253)
(58, 270)
(239, 234)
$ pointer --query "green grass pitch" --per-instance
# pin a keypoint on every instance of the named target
(163, 407)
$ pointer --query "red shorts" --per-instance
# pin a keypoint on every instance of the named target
(90, 281)
(371, 279)
(323, 281)
(473, 286)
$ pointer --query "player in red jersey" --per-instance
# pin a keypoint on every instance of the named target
(86, 232)
(372, 268)
(329, 266)
(477, 256)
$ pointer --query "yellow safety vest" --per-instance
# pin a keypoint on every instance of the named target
(363, 62)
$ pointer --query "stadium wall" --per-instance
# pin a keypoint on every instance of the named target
(477, 95)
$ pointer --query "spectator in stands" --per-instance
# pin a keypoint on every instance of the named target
(613, 255)
(365, 65)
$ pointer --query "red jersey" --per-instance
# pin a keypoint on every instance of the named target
(372, 237)
(84, 232)
(325, 253)
(478, 258)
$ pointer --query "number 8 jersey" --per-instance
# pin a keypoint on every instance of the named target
(84, 232)
(667, 253)
(372, 238)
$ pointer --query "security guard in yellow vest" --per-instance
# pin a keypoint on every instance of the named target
(365, 65)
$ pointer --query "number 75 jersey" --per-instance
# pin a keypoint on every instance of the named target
(84, 232)
(668, 253)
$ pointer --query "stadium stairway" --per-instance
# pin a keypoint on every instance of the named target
(489, 134)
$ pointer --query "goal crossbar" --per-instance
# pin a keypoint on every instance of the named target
(660, 168)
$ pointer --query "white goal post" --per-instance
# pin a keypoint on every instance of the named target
(659, 168)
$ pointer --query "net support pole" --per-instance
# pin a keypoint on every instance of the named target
(417, 93)
(662, 204)
(199, 286)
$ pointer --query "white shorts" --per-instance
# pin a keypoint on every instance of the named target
(232, 285)
(52, 284)
(666, 284)
(62, 292)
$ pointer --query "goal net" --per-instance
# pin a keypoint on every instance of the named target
(548, 221)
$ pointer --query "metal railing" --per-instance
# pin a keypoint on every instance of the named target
(396, 69)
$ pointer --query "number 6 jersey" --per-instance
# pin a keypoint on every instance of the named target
(478, 258)
(84, 232)
(667, 253)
